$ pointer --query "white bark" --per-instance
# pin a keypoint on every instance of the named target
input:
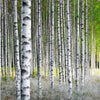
(68, 48)
(92, 40)
(49, 39)
(5, 39)
(82, 42)
(62, 46)
(59, 43)
(12, 41)
(74, 44)
(39, 48)
(17, 61)
(0, 47)
(77, 48)
(86, 40)
(8, 47)
(26, 49)
(65, 46)
(52, 44)
(2, 41)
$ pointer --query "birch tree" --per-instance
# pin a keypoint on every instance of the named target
(59, 42)
(26, 50)
(77, 48)
(74, 34)
(17, 61)
(12, 40)
(50, 38)
(86, 38)
(2, 43)
(82, 42)
(0, 47)
(62, 46)
(65, 46)
(92, 39)
(68, 48)
(8, 47)
(5, 11)
(52, 44)
(39, 48)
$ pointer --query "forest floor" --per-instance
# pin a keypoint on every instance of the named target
(91, 90)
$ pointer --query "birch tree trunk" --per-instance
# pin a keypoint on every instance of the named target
(92, 57)
(2, 43)
(5, 39)
(68, 48)
(65, 46)
(12, 40)
(46, 46)
(50, 38)
(59, 42)
(86, 39)
(52, 44)
(62, 46)
(77, 48)
(0, 47)
(26, 50)
(7, 36)
(74, 44)
(8, 47)
(39, 48)
(82, 42)
(17, 61)
(33, 43)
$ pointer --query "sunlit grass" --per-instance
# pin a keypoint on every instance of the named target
(95, 72)
(12, 74)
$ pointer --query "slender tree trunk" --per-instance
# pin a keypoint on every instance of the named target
(65, 46)
(71, 42)
(26, 50)
(62, 46)
(39, 48)
(8, 47)
(33, 43)
(77, 48)
(46, 46)
(82, 42)
(36, 33)
(12, 40)
(94, 51)
(68, 48)
(50, 38)
(59, 42)
(17, 61)
(2, 41)
(52, 44)
(92, 57)
(86, 40)
(5, 38)
(0, 46)
(74, 41)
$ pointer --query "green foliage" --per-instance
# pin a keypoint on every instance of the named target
(44, 6)
(5, 79)
(35, 74)
(12, 78)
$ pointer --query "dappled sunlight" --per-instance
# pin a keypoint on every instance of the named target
(95, 72)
